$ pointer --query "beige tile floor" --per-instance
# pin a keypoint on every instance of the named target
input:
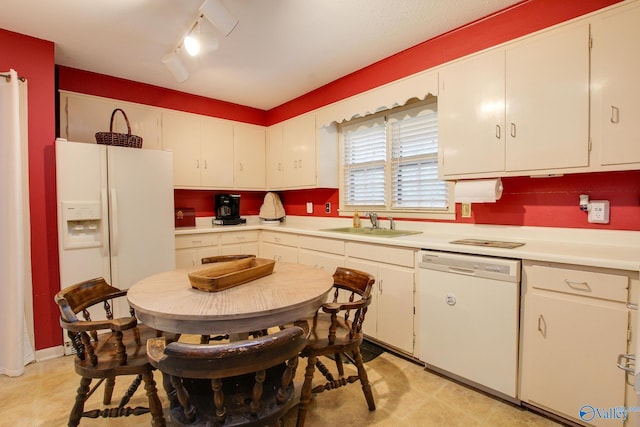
(406, 395)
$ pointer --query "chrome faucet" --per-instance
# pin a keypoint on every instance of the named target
(374, 219)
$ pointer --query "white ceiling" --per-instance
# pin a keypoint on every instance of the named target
(280, 49)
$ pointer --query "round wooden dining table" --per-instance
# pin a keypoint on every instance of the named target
(167, 302)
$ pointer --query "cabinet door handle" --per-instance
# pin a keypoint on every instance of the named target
(380, 287)
(197, 164)
(629, 367)
(498, 135)
(542, 326)
(578, 286)
(205, 164)
(513, 130)
(615, 114)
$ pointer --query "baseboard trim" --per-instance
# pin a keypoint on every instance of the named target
(49, 353)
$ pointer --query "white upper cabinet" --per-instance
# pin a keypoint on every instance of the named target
(523, 109)
(299, 143)
(249, 156)
(615, 75)
(81, 116)
(202, 148)
(181, 134)
(301, 155)
(547, 104)
(216, 151)
(471, 115)
(274, 157)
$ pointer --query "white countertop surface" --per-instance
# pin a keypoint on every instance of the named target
(593, 247)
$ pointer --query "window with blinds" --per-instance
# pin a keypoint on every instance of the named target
(364, 163)
(390, 162)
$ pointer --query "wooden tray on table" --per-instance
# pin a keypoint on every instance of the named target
(227, 274)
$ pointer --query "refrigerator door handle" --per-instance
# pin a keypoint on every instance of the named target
(114, 222)
(105, 223)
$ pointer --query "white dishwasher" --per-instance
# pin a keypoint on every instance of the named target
(468, 314)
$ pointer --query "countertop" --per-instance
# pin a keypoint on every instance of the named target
(591, 247)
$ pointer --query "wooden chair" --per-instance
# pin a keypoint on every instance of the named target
(106, 349)
(250, 380)
(334, 332)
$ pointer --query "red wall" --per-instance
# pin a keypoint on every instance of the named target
(526, 201)
(553, 202)
(126, 90)
(523, 18)
(34, 59)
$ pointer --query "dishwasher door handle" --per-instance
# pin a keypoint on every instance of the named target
(460, 270)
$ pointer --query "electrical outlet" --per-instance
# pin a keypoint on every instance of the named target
(309, 207)
(465, 210)
(327, 207)
(598, 212)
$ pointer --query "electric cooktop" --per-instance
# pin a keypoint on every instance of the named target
(488, 243)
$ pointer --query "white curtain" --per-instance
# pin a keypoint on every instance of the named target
(15, 249)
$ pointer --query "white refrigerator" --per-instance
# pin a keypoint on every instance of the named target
(115, 213)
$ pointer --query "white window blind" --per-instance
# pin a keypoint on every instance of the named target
(364, 162)
(390, 162)
(413, 136)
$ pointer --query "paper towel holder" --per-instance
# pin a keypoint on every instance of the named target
(478, 191)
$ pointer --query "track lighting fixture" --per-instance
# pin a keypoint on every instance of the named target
(197, 41)
(175, 66)
(219, 16)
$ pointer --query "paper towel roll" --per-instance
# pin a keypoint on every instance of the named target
(478, 191)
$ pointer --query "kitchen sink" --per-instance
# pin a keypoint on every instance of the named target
(375, 232)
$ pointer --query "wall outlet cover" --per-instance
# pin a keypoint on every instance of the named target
(309, 207)
(465, 210)
(598, 212)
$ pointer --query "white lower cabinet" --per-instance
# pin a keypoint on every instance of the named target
(325, 254)
(390, 316)
(191, 248)
(281, 247)
(239, 242)
(575, 324)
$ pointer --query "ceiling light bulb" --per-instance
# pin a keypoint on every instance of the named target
(192, 45)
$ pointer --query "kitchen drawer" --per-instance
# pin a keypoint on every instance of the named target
(238, 237)
(604, 284)
(388, 255)
(196, 240)
(280, 238)
(321, 244)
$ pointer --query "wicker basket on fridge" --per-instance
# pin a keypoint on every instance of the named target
(120, 139)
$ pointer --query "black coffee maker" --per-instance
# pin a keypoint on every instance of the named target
(228, 209)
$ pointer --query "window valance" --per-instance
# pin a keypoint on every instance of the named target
(385, 97)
